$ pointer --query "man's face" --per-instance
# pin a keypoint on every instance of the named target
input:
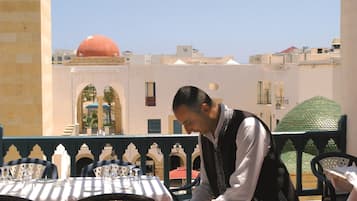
(192, 121)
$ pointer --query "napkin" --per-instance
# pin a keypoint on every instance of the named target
(351, 177)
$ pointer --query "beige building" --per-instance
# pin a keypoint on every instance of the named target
(42, 99)
(145, 84)
(25, 67)
(349, 70)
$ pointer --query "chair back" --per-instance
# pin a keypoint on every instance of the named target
(38, 168)
(103, 167)
(330, 160)
(190, 186)
(117, 196)
(12, 198)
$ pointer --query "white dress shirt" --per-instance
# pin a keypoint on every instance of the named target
(253, 143)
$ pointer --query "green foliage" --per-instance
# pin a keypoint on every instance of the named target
(91, 120)
(331, 146)
(289, 146)
(89, 93)
(310, 148)
(109, 95)
(289, 159)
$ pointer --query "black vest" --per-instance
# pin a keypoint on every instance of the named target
(274, 182)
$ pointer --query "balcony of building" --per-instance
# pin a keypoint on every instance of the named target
(81, 150)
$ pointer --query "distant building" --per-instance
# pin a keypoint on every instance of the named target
(302, 56)
(143, 85)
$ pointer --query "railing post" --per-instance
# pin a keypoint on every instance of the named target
(2, 146)
(166, 151)
(342, 127)
(189, 150)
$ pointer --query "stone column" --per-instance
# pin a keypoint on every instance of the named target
(80, 112)
(100, 112)
(25, 67)
(117, 114)
(349, 69)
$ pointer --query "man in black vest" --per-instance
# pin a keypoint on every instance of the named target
(238, 160)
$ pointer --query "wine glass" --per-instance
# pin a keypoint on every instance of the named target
(114, 170)
(131, 167)
(106, 171)
(3, 174)
(137, 173)
(26, 176)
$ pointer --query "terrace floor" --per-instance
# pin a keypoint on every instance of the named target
(308, 181)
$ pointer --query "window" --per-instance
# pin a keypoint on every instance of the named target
(279, 96)
(260, 89)
(336, 46)
(264, 92)
(177, 127)
(154, 126)
(150, 96)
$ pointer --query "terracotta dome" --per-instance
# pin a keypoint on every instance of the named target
(97, 45)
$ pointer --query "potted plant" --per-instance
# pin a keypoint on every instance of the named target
(90, 121)
(107, 127)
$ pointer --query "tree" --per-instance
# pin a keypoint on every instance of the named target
(89, 93)
(109, 98)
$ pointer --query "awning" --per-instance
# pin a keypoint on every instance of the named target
(95, 106)
(180, 173)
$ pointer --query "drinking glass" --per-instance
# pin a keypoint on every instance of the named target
(114, 170)
(106, 171)
(131, 167)
(4, 173)
(137, 174)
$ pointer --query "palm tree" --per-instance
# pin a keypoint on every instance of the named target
(89, 93)
(109, 98)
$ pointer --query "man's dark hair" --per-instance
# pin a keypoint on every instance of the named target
(192, 97)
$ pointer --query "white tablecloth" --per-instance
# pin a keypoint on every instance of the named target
(75, 188)
(343, 178)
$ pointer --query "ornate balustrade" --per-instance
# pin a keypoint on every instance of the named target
(166, 143)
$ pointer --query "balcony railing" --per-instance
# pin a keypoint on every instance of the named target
(150, 101)
(166, 142)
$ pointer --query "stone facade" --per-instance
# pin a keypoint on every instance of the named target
(25, 67)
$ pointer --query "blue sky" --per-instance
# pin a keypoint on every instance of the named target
(217, 28)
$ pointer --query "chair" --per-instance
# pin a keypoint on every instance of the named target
(12, 198)
(38, 168)
(330, 160)
(117, 196)
(186, 187)
(100, 168)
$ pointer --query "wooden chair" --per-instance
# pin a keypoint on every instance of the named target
(117, 197)
(330, 160)
(39, 168)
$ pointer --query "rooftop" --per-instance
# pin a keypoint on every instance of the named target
(317, 113)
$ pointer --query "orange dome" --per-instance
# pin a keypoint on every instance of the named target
(97, 45)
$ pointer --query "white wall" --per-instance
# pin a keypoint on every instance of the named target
(315, 81)
(349, 49)
(70, 81)
(237, 87)
(62, 98)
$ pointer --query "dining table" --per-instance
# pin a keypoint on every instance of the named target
(74, 188)
(344, 178)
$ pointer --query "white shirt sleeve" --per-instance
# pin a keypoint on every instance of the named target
(253, 143)
(203, 191)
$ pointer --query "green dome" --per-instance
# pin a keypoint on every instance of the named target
(317, 113)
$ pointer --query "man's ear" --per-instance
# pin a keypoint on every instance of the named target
(205, 107)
